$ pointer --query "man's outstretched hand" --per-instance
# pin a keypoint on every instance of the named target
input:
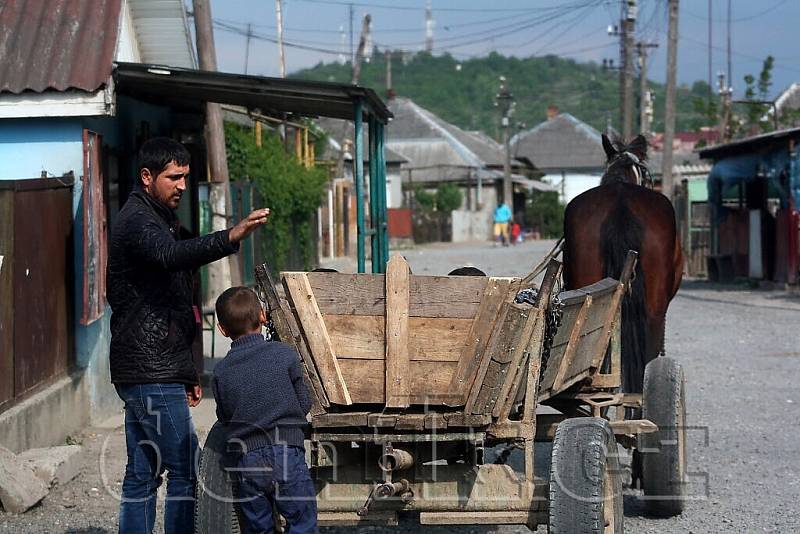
(247, 226)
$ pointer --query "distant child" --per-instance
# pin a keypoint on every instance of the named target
(263, 401)
(515, 230)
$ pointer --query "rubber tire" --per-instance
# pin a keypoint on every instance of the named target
(585, 460)
(214, 511)
(663, 453)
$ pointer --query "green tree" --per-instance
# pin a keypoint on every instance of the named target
(544, 212)
(756, 91)
(425, 199)
(448, 198)
(291, 191)
(462, 92)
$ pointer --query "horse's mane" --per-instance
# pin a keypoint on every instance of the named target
(621, 157)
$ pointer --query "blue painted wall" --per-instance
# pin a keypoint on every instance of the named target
(30, 146)
(55, 145)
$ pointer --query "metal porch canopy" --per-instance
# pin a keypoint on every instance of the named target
(280, 97)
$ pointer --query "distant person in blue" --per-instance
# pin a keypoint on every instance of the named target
(262, 400)
(502, 214)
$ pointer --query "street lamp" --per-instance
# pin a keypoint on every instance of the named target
(505, 102)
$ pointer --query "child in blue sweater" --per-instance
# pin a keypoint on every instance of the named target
(263, 401)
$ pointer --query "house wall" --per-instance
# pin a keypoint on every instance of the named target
(29, 147)
(570, 185)
(475, 224)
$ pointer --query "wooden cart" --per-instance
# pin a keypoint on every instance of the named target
(415, 378)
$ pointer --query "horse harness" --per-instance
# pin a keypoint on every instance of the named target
(640, 169)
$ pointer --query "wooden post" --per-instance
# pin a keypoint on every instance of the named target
(398, 379)
(215, 146)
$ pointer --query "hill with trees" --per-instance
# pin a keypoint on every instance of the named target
(463, 92)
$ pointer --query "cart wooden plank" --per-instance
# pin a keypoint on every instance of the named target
(430, 338)
(398, 383)
(333, 420)
(364, 294)
(289, 332)
(518, 365)
(480, 331)
(299, 288)
(569, 352)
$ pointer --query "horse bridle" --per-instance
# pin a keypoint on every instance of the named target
(640, 170)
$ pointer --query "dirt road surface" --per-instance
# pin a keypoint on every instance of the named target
(740, 349)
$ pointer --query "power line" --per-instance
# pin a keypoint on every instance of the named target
(422, 8)
(744, 18)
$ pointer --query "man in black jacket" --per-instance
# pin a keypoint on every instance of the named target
(153, 325)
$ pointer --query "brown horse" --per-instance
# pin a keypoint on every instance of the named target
(601, 225)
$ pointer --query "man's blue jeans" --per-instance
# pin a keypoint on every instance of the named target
(276, 474)
(160, 436)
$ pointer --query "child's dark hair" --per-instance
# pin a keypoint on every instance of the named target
(238, 310)
(156, 153)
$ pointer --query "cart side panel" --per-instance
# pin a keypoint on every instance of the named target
(579, 346)
(343, 320)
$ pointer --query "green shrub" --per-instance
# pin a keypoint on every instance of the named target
(292, 192)
(448, 198)
(545, 213)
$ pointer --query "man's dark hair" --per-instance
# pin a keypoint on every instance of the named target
(156, 153)
(238, 310)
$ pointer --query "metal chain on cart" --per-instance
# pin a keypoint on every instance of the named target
(553, 317)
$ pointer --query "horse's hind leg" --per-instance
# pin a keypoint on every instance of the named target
(656, 327)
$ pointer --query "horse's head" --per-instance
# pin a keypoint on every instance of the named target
(626, 163)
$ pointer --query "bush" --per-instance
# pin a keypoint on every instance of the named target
(292, 192)
(448, 198)
(545, 213)
(424, 199)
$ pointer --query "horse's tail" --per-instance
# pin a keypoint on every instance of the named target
(620, 233)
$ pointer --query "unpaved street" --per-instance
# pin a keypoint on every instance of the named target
(741, 352)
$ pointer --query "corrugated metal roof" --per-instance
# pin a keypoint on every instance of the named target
(57, 44)
(162, 30)
(562, 143)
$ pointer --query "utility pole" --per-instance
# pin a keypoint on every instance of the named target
(247, 46)
(428, 28)
(730, 73)
(628, 34)
(710, 42)
(644, 93)
(389, 89)
(725, 93)
(222, 273)
(669, 105)
(505, 102)
(352, 50)
(281, 56)
(366, 25)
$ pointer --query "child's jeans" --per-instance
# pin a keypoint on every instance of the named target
(276, 474)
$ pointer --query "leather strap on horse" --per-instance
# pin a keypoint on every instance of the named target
(543, 264)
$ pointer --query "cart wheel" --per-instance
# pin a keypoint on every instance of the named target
(663, 453)
(214, 511)
(585, 481)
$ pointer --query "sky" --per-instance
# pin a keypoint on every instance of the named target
(318, 30)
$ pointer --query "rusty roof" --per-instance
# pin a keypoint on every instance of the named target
(57, 44)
